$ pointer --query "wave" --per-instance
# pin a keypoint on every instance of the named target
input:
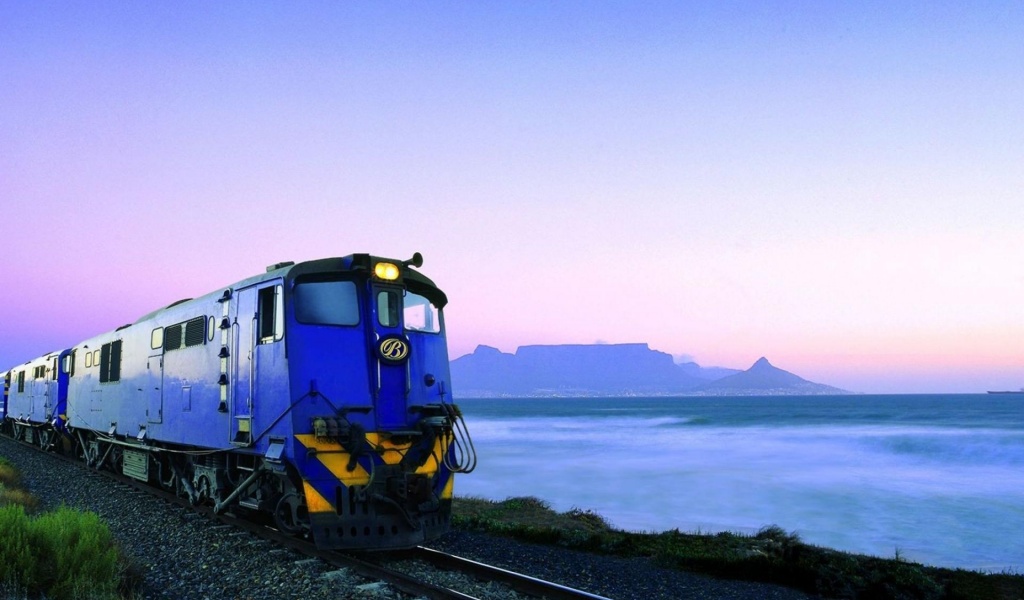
(934, 486)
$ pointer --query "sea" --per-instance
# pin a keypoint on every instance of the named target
(935, 479)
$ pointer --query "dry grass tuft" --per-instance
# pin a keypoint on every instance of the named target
(20, 497)
(9, 476)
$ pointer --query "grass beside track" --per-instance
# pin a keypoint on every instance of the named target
(62, 554)
(772, 555)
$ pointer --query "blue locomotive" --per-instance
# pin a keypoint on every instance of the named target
(35, 410)
(317, 394)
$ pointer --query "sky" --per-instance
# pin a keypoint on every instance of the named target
(837, 187)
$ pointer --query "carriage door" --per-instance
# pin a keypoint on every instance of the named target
(154, 388)
(36, 387)
(392, 352)
(3, 399)
(50, 395)
(257, 325)
(242, 342)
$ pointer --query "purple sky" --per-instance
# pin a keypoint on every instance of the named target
(838, 188)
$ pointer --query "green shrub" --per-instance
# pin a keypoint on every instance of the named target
(588, 518)
(76, 554)
(17, 563)
(524, 503)
(65, 554)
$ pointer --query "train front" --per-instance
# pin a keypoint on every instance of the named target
(377, 440)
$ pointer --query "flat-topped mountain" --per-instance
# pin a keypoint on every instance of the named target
(612, 370)
(580, 370)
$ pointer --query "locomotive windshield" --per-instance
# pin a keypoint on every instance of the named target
(327, 303)
(421, 315)
(336, 302)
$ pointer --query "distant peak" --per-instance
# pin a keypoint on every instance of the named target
(762, 363)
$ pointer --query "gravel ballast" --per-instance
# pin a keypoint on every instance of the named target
(183, 555)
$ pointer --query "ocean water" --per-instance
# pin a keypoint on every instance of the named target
(938, 478)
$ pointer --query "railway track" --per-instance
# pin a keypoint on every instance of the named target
(524, 584)
(392, 568)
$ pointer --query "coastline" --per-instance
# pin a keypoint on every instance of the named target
(933, 475)
(770, 557)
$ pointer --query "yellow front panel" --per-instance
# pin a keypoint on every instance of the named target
(431, 464)
(336, 460)
(314, 501)
(449, 488)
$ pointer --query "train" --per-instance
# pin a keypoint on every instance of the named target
(315, 395)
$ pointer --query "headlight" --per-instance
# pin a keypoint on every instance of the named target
(386, 271)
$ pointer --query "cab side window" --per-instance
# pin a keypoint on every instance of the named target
(271, 314)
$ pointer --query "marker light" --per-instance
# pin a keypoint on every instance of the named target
(386, 271)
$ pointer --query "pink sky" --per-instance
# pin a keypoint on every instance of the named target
(838, 189)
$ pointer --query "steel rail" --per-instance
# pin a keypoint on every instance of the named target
(398, 580)
(517, 581)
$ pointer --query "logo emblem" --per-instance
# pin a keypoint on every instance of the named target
(393, 349)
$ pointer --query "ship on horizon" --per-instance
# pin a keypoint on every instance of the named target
(1020, 391)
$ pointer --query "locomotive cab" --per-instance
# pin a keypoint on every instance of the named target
(375, 441)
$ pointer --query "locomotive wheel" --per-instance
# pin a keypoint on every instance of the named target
(202, 490)
(171, 483)
(116, 459)
(92, 455)
(286, 514)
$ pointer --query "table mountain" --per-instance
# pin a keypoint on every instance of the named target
(611, 370)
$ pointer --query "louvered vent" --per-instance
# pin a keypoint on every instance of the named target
(114, 368)
(172, 337)
(195, 332)
(104, 363)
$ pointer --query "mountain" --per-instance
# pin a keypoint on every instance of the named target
(570, 370)
(611, 370)
(764, 379)
(707, 373)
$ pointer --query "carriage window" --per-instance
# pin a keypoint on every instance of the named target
(21, 382)
(66, 365)
(271, 314)
(156, 339)
(387, 308)
(327, 303)
(88, 359)
(420, 315)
